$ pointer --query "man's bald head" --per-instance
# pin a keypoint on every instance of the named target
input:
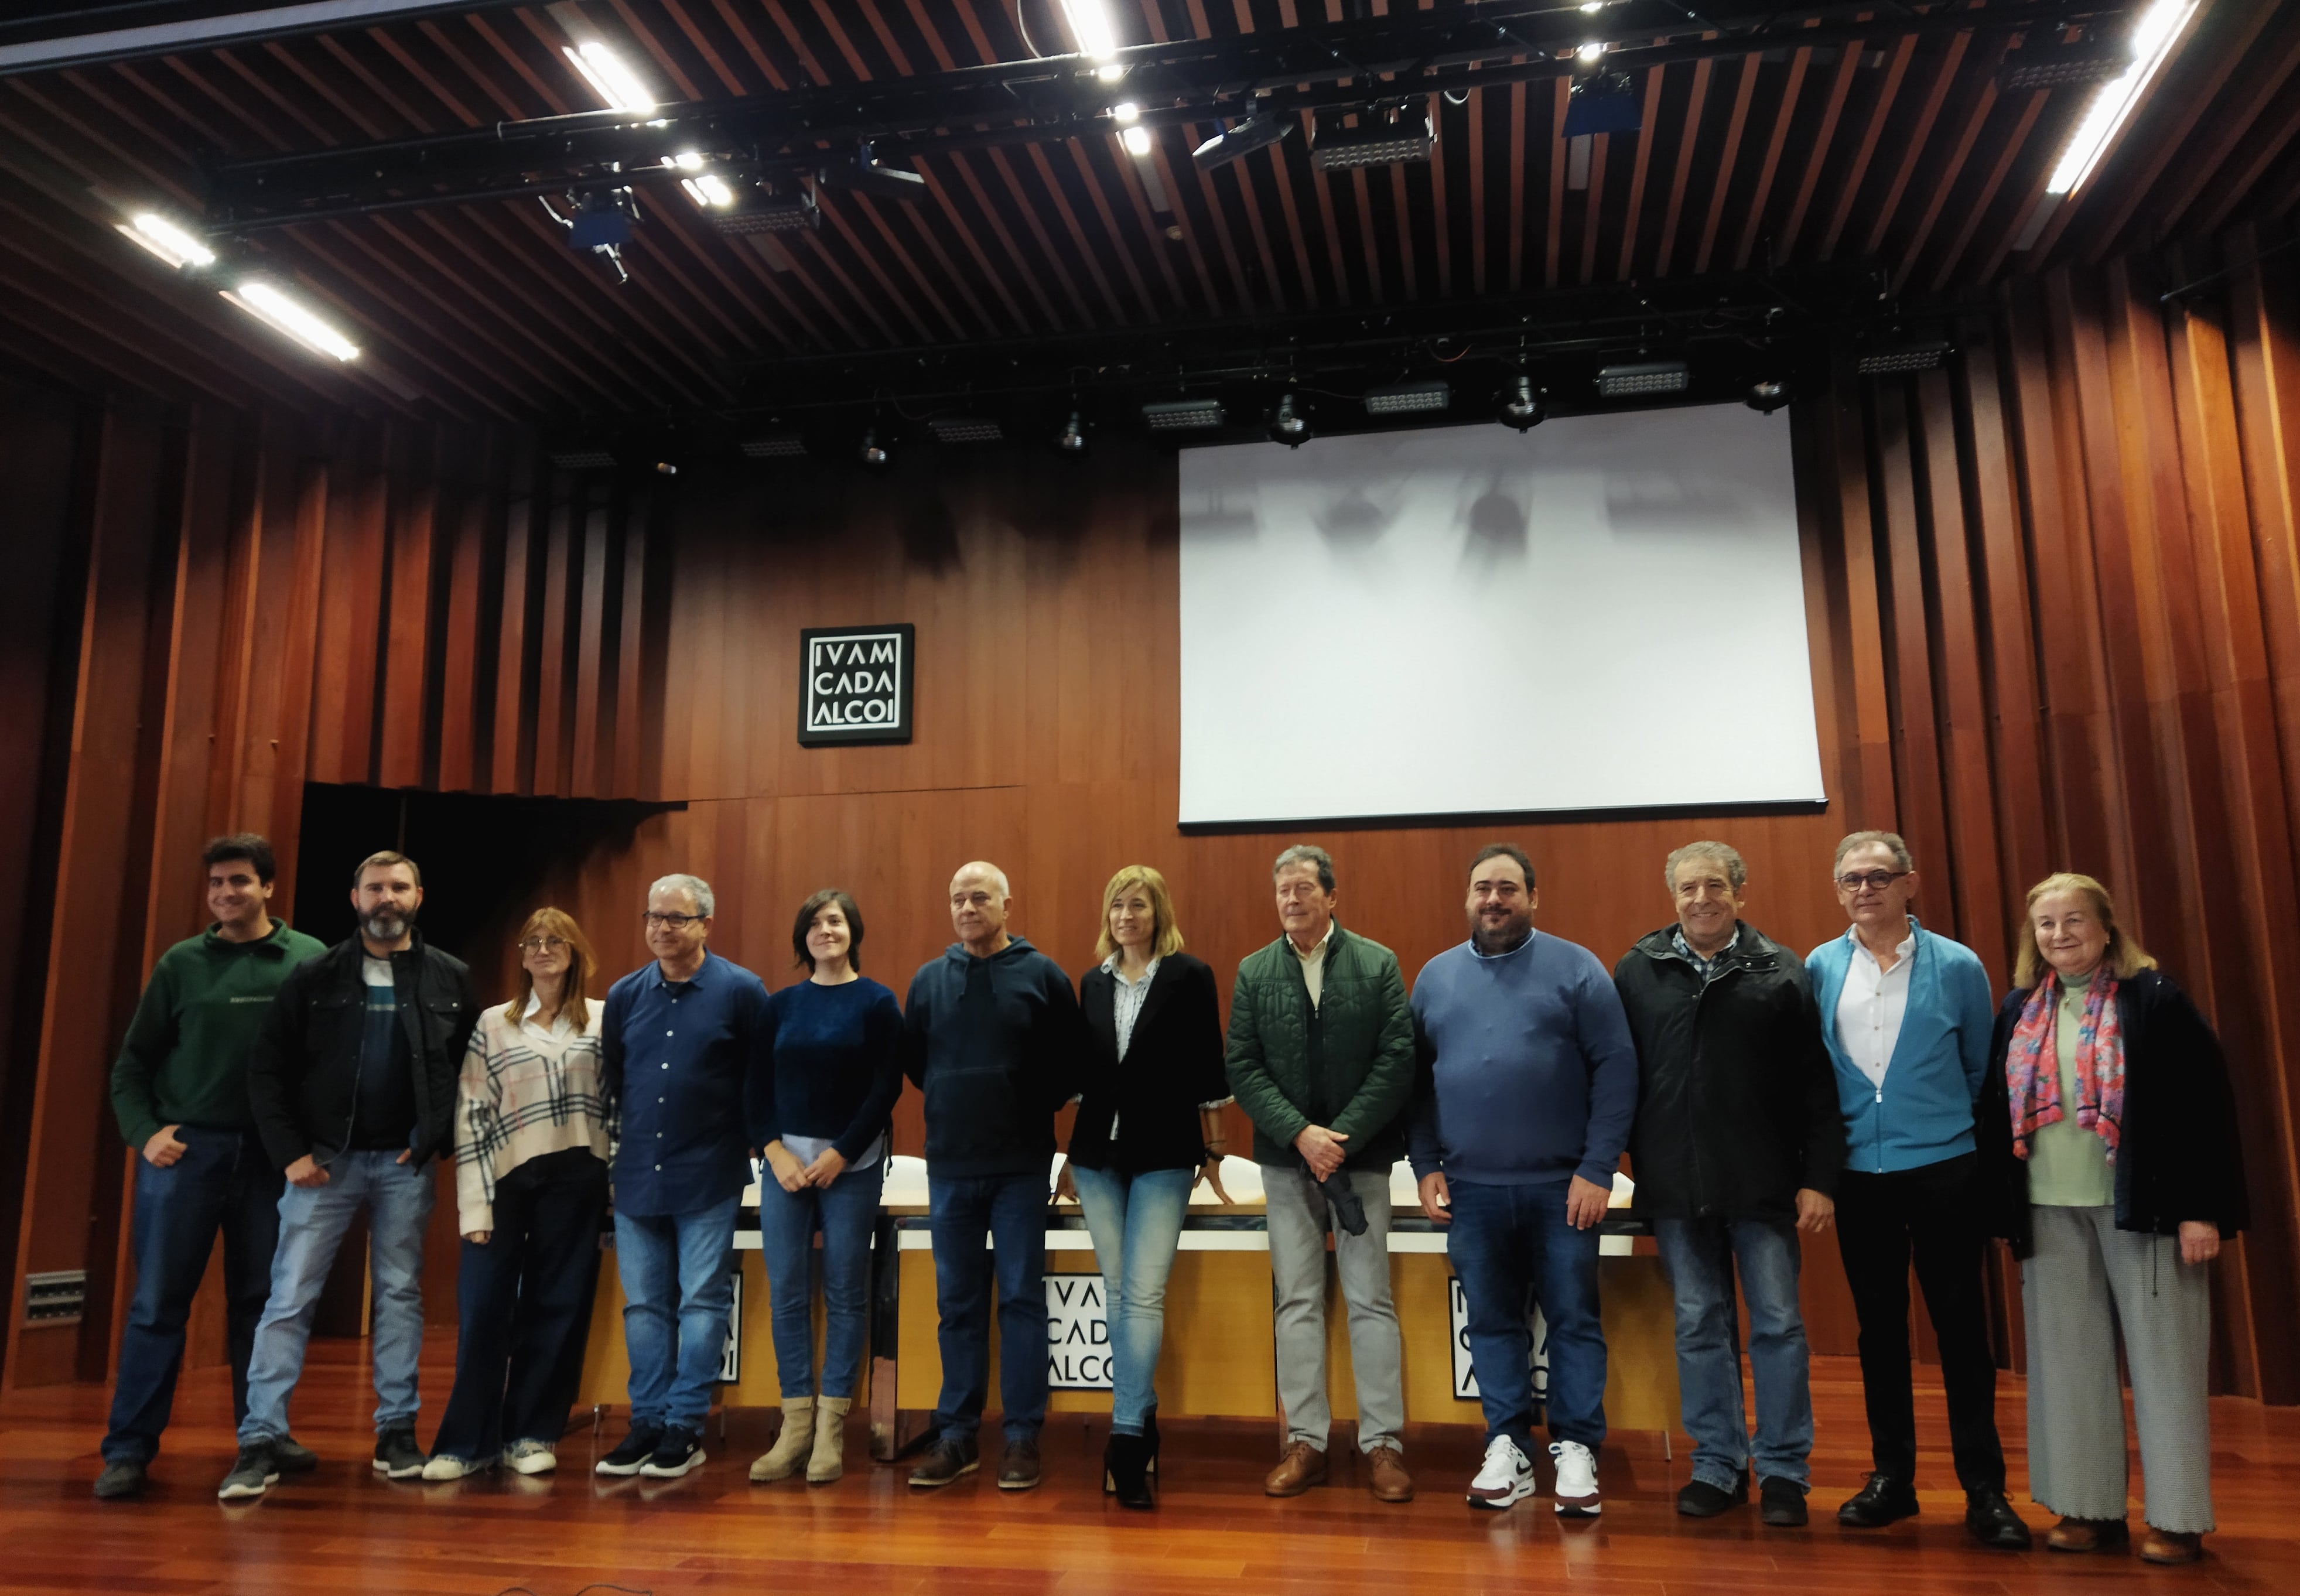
(979, 899)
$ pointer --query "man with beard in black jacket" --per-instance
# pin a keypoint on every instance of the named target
(1737, 1147)
(352, 1083)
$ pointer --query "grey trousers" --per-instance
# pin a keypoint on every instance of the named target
(2087, 1283)
(1298, 1279)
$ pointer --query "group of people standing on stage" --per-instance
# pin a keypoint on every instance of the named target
(274, 1087)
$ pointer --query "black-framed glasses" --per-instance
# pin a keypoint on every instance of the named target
(544, 944)
(677, 922)
(1876, 881)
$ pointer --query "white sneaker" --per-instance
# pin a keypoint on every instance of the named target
(1506, 1476)
(530, 1457)
(444, 1468)
(1577, 1480)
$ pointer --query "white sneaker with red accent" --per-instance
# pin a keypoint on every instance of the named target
(1577, 1480)
(1506, 1477)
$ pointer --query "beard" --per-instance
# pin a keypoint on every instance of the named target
(1502, 937)
(387, 924)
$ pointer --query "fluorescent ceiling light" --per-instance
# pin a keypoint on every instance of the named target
(1093, 26)
(267, 304)
(610, 77)
(1137, 140)
(167, 241)
(708, 189)
(2112, 103)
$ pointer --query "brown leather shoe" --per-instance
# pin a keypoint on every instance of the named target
(2164, 1546)
(1385, 1474)
(2089, 1534)
(1302, 1466)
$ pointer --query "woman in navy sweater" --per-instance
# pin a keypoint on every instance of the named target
(819, 1107)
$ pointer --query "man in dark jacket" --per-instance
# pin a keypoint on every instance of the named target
(352, 1082)
(1737, 1147)
(992, 1036)
(1322, 1059)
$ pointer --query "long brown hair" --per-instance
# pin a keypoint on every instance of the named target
(2125, 958)
(558, 923)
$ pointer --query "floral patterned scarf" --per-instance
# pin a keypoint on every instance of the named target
(2032, 1067)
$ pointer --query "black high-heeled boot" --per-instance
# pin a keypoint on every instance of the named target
(1122, 1471)
(1150, 1440)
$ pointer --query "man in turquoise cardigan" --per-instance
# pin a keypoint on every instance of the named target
(1907, 1015)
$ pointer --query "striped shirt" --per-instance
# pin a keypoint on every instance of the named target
(526, 1091)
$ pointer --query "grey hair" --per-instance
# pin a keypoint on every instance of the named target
(1737, 870)
(698, 890)
(1308, 853)
(1890, 841)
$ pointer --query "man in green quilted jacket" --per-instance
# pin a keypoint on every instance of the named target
(1321, 1058)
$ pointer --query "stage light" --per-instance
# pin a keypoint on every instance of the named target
(582, 459)
(1126, 111)
(1290, 426)
(873, 453)
(965, 429)
(1602, 103)
(1407, 398)
(268, 304)
(1382, 138)
(1256, 132)
(1109, 72)
(780, 446)
(2037, 66)
(1521, 407)
(1887, 359)
(1648, 376)
(1588, 55)
(708, 191)
(610, 77)
(664, 467)
(1767, 396)
(172, 243)
(688, 161)
(868, 175)
(1094, 28)
(1183, 415)
(1073, 440)
(755, 211)
(602, 223)
(2151, 41)
(1137, 140)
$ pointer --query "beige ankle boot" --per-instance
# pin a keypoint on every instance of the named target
(829, 1458)
(782, 1459)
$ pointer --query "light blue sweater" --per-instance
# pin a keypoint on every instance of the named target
(1923, 1113)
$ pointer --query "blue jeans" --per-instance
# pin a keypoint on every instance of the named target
(1136, 1221)
(1011, 1211)
(223, 1182)
(1699, 1256)
(1507, 1243)
(677, 1292)
(313, 1220)
(845, 1212)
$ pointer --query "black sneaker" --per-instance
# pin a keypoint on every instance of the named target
(634, 1448)
(397, 1455)
(120, 1479)
(946, 1460)
(255, 1470)
(1989, 1519)
(1701, 1500)
(678, 1452)
(293, 1458)
(1782, 1502)
(1883, 1500)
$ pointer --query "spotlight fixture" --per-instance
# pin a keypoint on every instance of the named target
(708, 190)
(1407, 398)
(582, 459)
(1256, 132)
(783, 445)
(269, 305)
(1073, 440)
(1126, 111)
(873, 453)
(1183, 415)
(1137, 140)
(2083, 65)
(1523, 407)
(755, 210)
(1602, 103)
(965, 429)
(2152, 40)
(1589, 53)
(1094, 28)
(610, 77)
(1646, 377)
(602, 221)
(1383, 137)
(867, 174)
(1887, 359)
(1290, 426)
(1767, 396)
(172, 243)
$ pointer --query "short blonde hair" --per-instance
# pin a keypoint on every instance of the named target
(1165, 936)
(2125, 958)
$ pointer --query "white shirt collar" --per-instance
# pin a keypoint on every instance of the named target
(1149, 971)
(1316, 948)
(1908, 943)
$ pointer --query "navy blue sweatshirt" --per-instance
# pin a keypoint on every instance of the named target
(995, 1044)
(833, 1068)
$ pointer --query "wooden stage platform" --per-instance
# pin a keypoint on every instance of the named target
(343, 1530)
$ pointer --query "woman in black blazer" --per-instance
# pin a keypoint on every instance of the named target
(1148, 1129)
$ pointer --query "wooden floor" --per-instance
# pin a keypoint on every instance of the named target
(344, 1530)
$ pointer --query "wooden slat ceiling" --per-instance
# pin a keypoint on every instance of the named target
(1901, 153)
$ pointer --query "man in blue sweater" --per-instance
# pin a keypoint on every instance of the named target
(1528, 1086)
(1908, 1017)
(992, 1036)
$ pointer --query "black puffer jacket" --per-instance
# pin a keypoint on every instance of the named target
(303, 1071)
(2178, 1154)
(1736, 1100)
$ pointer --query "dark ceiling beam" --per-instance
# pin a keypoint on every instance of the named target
(53, 36)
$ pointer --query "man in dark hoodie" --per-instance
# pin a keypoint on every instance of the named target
(992, 1036)
(352, 1083)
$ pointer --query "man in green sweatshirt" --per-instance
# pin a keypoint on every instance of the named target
(180, 1091)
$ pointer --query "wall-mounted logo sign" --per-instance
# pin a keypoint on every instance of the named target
(1465, 1377)
(854, 685)
(1078, 1333)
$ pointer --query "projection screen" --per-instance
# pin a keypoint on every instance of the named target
(1606, 612)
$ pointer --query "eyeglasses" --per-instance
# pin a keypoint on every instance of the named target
(1876, 881)
(544, 944)
(677, 922)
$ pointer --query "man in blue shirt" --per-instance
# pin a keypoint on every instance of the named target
(676, 1041)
